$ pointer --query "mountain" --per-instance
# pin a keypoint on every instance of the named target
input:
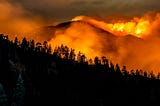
(91, 37)
(92, 40)
(50, 30)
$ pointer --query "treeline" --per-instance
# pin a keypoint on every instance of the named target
(31, 73)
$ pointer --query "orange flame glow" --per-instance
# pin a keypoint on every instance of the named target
(137, 27)
(89, 35)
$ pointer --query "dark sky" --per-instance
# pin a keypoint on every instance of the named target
(67, 9)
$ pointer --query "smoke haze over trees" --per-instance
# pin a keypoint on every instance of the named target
(29, 71)
(94, 42)
(108, 54)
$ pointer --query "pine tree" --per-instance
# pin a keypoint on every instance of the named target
(72, 54)
(3, 96)
(16, 42)
(19, 92)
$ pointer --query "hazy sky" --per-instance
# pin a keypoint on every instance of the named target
(66, 9)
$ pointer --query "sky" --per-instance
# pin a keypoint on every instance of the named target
(66, 9)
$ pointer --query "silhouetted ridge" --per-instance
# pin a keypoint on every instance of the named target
(64, 24)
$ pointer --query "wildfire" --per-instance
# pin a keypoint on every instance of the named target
(137, 27)
(72, 36)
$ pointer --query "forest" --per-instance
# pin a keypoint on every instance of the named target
(32, 73)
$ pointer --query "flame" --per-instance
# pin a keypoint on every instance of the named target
(72, 36)
(129, 51)
(138, 27)
(78, 18)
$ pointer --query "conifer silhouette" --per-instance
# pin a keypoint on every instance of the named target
(19, 92)
(3, 97)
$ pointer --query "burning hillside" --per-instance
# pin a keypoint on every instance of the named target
(133, 43)
(136, 26)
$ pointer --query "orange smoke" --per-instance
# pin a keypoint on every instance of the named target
(80, 37)
(133, 43)
(83, 37)
(17, 22)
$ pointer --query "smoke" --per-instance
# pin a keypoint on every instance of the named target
(138, 48)
(93, 38)
(79, 36)
(17, 22)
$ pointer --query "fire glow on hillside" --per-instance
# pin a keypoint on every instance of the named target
(132, 43)
(94, 36)
(137, 26)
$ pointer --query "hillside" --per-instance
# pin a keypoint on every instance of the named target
(59, 79)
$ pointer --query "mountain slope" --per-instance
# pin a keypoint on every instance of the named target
(94, 41)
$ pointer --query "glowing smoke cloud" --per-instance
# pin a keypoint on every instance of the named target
(14, 21)
(139, 52)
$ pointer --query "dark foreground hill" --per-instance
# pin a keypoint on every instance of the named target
(31, 75)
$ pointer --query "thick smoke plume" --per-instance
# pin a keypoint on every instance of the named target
(139, 50)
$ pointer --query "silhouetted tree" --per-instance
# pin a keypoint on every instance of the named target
(145, 74)
(104, 60)
(66, 52)
(137, 72)
(24, 44)
(152, 75)
(124, 71)
(83, 59)
(3, 97)
(117, 68)
(45, 46)
(132, 72)
(49, 49)
(140, 72)
(90, 61)
(32, 44)
(19, 92)
(111, 66)
(79, 56)
(16, 42)
(158, 75)
(38, 47)
(97, 61)
(72, 54)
